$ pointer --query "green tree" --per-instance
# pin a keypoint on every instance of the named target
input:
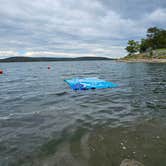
(152, 37)
(133, 47)
(152, 32)
(161, 39)
(156, 38)
(144, 45)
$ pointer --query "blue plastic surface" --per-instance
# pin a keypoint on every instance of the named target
(89, 83)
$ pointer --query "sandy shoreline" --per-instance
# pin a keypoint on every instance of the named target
(143, 60)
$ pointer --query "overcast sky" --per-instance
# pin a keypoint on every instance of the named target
(75, 27)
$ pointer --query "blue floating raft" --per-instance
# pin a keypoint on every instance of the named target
(89, 83)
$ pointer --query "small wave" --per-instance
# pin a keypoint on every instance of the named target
(17, 115)
(59, 94)
(48, 103)
(4, 117)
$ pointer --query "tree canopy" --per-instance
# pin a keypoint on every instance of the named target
(133, 47)
(155, 39)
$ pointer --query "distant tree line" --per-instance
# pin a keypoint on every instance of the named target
(155, 39)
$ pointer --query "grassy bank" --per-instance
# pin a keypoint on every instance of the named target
(158, 55)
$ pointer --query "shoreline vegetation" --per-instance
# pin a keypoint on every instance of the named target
(150, 49)
(155, 56)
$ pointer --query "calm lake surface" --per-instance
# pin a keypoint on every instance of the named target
(45, 123)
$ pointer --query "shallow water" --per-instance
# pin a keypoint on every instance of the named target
(46, 122)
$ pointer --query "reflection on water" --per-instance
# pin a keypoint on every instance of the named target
(49, 124)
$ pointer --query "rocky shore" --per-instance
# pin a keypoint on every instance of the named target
(155, 56)
(153, 60)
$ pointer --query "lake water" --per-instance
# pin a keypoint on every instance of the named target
(45, 123)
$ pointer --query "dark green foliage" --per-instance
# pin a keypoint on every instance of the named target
(144, 45)
(156, 39)
(133, 47)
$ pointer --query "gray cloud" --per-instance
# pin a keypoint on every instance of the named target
(101, 27)
(134, 8)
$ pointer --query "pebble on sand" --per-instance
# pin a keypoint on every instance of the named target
(128, 162)
(124, 148)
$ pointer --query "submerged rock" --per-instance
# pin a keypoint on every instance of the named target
(127, 162)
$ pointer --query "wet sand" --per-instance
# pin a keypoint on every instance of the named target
(144, 143)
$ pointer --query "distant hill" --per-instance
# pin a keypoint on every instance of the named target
(45, 59)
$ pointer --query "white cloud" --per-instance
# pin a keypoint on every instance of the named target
(4, 54)
(159, 15)
(56, 54)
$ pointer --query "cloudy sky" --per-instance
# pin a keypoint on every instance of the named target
(75, 27)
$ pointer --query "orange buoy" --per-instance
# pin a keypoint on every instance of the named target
(1, 71)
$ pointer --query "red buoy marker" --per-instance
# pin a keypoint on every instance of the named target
(1, 71)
